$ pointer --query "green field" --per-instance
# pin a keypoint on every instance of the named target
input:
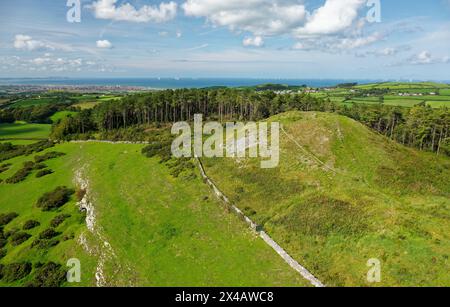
(164, 231)
(28, 102)
(343, 195)
(24, 131)
(60, 115)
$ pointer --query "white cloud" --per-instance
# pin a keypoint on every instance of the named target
(389, 51)
(423, 57)
(25, 42)
(336, 24)
(333, 17)
(104, 44)
(107, 9)
(256, 41)
(260, 17)
(352, 43)
(48, 63)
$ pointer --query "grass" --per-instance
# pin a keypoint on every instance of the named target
(164, 231)
(381, 201)
(60, 115)
(22, 197)
(28, 102)
(24, 131)
(172, 232)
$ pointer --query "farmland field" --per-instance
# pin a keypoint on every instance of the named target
(21, 130)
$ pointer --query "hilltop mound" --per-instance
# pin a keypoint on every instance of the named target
(344, 194)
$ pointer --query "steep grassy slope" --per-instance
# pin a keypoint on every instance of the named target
(161, 230)
(168, 231)
(21, 198)
(343, 195)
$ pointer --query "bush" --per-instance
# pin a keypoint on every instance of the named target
(48, 156)
(54, 199)
(23, 173)
(3, 253)
(15, 271)
(4, 167)
(24, 150)
(48, 234)
(19, 237)
(48, 275)
(30, 224)
(43, 173)
(58, 220)
(5, 219)
(3, 242)
(44, 244)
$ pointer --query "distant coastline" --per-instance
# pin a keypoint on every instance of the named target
(176, 83)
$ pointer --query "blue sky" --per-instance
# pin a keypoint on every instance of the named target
(234, 38)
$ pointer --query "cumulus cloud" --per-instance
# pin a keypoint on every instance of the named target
(261, 17)
(336, 24)
(25, 42)
(423, 57)
(107, 9)
(104, 44)
(256, 41)
(333, 17)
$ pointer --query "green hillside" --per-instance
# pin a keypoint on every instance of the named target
(343, 195)
(160, 230)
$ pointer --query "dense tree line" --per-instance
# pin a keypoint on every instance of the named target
(181, 105)
(421, 127)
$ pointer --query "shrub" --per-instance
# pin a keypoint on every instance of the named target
(24, 150)
(58, 220)
(48, 234)
(44, 244)
(5, 219)
(43, 173)
(10, 232)
(4, 167)
(22, 173)
(48, 156)
(48, 275)
(39, 166)
(19, 237)
(30, 224)
(3, 253)
(15, 271)
(54, 199)
(3, 242)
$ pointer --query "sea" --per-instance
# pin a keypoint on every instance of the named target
(176, 83)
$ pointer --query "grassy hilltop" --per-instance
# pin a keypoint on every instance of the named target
(343, 195)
